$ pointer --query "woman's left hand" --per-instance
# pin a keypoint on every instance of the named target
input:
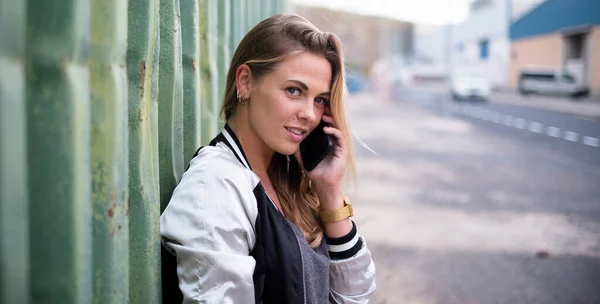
(327, 177)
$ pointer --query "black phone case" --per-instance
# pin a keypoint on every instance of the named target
(315, 147)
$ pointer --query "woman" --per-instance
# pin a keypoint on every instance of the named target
(246, 222)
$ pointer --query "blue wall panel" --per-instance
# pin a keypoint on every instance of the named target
(556, 15)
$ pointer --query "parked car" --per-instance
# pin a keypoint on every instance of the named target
(470, 88)
(550, 82)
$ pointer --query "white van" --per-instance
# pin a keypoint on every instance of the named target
(550, 82)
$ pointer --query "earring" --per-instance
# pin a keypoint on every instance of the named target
(240, 99)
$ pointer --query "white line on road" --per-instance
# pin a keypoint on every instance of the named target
(571, 136)
(591, 141)
(553, 131)
(487, 115)
(497, 117)
(520, 123)
(535, 127)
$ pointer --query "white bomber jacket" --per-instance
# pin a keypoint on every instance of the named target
(224, 241)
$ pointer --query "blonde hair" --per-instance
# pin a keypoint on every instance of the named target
(263, 47)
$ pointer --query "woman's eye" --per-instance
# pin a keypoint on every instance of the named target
(321, 101)
(294, 91)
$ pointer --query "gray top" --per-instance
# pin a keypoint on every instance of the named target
(315, 265)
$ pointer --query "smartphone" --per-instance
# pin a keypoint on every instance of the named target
(315, 147)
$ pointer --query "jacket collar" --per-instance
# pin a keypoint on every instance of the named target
(228, 137)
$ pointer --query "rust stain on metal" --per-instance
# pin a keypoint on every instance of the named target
(140, 117)
(142, 76)
(193, 65)
(111, 213)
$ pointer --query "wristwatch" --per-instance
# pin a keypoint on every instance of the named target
(336, 215)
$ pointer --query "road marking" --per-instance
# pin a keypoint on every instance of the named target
(535, 127)
(591, 141)
(571, 136)
(553, 131)
(482, 113)
(520, 123)
(497, 117)
(487, 115)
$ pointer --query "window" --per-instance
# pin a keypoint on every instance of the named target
(575, 46)
(567, 78)
(539, 76)
(484, 49)
(479, 4)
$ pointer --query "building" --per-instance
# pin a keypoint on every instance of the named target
(559, 34)
(480, 46)
(365, 38)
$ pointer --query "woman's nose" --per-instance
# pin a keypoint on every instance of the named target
(307, 111)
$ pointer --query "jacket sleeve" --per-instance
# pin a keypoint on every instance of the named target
(352, 271)
(208, 225)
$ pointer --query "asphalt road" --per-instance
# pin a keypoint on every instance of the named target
(576, 136)
(459, 209)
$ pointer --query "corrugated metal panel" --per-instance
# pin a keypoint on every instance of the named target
(14, 230)
(99, 117)
(190, 32)
(238, 23)
(170, 101)
(223, 56)
(108, 84)
(58, 146)
(144, 204)
(208, 69)
(556, 15)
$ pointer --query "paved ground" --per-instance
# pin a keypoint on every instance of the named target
(574, 134)
(456, 212)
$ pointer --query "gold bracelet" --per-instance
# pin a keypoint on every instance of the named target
(336, 215)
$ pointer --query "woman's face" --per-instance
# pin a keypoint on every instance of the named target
(288, 103)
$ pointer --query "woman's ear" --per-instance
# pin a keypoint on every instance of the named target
(243, 80)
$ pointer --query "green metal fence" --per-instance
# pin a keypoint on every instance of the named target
(102, 104)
